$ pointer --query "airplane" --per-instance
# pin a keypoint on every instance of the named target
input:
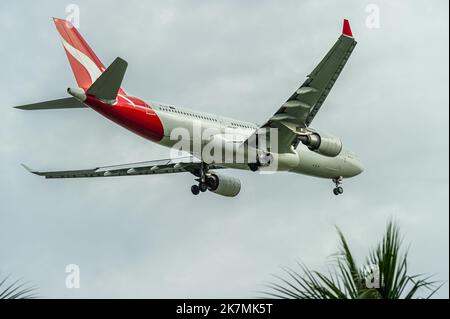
(295, 146)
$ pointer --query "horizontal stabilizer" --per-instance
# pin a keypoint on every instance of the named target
(108, 84)
(67, 103)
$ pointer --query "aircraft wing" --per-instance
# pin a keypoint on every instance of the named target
(301, 108)
(166, 166)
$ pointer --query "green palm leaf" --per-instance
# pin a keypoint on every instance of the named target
(16, 289)
(346, 280)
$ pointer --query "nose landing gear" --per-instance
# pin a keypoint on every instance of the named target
(338, 190)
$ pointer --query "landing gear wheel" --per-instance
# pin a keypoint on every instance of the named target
(338, 190)
(195, 189)
(203, 187)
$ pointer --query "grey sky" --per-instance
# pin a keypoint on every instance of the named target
(148, 236)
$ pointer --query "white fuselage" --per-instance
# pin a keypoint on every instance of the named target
(190, 126)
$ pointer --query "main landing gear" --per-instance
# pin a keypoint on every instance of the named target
(195, 189)
(338, 190)
(205, 181)
(200, 188)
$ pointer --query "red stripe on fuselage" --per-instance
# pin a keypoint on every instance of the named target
(139, 119)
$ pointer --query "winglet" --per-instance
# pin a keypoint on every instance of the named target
(346, 29)
(29, 169)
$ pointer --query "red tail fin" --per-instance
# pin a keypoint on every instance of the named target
(86, 66)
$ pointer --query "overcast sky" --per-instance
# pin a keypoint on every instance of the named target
(148, 237)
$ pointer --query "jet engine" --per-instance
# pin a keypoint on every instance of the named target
(323, 144)
(223, 185)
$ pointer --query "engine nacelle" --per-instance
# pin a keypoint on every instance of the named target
(323, 144)
(223, 185)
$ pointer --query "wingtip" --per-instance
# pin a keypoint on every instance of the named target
(29, 169)
(20, 107)
(122, 60)
(346, 29)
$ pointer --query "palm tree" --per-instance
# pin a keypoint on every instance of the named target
(16, 289)
(384, 277)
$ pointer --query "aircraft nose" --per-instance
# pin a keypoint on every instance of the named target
(353, 168)
(358, 167)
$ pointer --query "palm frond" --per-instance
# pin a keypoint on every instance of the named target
(392, 263)
(16, 289)
(345, 280)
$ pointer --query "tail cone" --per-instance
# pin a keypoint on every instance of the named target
(77, 93)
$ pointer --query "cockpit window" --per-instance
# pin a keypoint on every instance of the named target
(351, 154)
